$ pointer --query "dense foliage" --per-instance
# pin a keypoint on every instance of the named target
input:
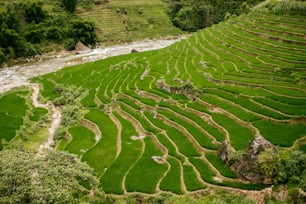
(191, 15)
(70, 5)
(286, 167)
(55, 177)
(26, 29)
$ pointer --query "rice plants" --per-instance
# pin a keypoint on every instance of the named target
(146, 170)
(183, 144)
(245, 74)
(12, 111)
(106, 149)
(82, 140)
(239, 136)
(220, 166)
(280, 134)
(191, 180)
(172, 181)
(113, 177)
(38, 113)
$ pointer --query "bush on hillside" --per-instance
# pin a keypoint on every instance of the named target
(84, 31)
(2, 56)
(70, 5)
(34, 13)
(70, 44)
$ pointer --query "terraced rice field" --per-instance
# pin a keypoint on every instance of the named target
(154, 121)
(128, 20)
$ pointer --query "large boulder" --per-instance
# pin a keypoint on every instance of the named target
(80, 48)
(246, 164)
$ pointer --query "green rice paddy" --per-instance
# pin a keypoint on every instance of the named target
(179, 103)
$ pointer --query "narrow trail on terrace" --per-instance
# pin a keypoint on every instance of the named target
(55, 118)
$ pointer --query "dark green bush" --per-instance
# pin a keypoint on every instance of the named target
(54, 34)
(70, 44)
(70, 5)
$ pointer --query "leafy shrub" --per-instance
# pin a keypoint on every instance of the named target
(84, 31)
(54, 34)
(70, 5)
(34, 12)
(70, 44)
(2, 56)
(34, 33)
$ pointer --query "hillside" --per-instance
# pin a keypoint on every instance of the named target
(121, 20)
(231, 81)
(153, 122)
(117, 20)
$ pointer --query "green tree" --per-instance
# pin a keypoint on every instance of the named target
(70, 5)
(268, 162)
(2, 56)
(84, 31)
(191, 15)
(54, 177)
(34, 13)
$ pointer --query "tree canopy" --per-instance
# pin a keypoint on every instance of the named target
(191, 15)
(54, 177)
(26, 29)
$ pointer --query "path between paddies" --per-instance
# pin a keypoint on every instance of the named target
(55, 118)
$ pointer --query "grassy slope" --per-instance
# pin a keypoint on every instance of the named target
(122, 21)
(137, 20)
(241, 69)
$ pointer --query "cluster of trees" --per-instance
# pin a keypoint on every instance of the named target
(286, 168)
(54, 177)
(191, 15)
(26, 29)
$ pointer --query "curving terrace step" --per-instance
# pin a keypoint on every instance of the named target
(275, 54)
(93, 127)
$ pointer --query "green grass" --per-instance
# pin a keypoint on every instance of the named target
(146, 170)
(213, 131)
(201, 138)
(105, 150)
(183, 144)
(240, 136)
(190, 178)
(295, 110)
(82, 140)
(12, 111)
(282, 135)
(112, 179)
(206, 173)
(38, 113)
(142, 19)
(303, 148)
(241, 79)
(220, 166)
(172, 181)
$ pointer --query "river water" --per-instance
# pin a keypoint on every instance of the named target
(16, 76)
